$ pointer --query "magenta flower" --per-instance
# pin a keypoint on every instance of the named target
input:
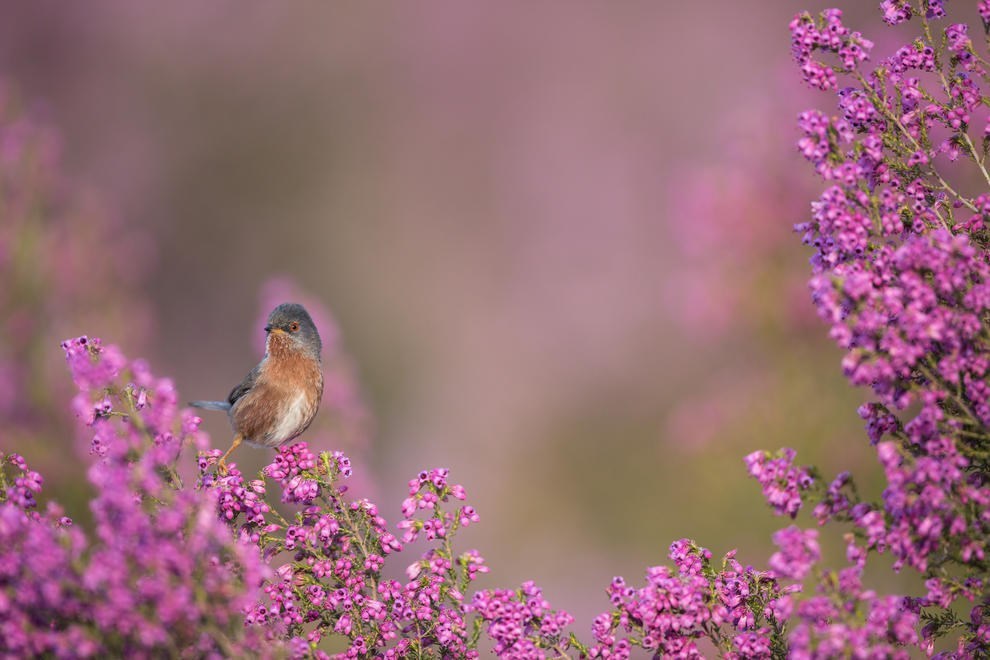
(159, 572)
(782, 483)
(798, 552)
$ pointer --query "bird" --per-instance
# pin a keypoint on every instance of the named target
(279, 398)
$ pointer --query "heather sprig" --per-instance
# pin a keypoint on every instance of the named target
(734, 607)
(782, 482)
(843, 617)
(158, 574)
(900, 272)
(522, 624)
(334, 584)
(22, 485)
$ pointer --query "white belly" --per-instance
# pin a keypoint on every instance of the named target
(293, 418)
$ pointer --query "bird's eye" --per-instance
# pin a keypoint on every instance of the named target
(294, 326)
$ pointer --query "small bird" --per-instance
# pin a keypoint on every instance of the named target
(279, 398)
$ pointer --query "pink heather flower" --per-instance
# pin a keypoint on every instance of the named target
(957, 38)
(290, 462)
(91, 365)
(676, 608)
(900, 274)
(818, 75)
(520, 622)
(782, 483)
(158, 571)
(799, 551)
(895, 11)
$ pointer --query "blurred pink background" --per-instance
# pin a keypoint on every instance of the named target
(556, 238)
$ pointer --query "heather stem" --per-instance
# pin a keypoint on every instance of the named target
(891, 117)
(958, 398)
(135, 419)
(355, 534)
(976, 158)
(947, 89)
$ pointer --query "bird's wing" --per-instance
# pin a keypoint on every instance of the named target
(244, 386)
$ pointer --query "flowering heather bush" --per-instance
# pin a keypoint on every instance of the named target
(213, 568)
(900, 273)
(160, 574)
(186, 561)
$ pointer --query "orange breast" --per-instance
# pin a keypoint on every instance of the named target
(283, 401)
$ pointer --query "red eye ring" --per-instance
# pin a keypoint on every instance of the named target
(294, 327)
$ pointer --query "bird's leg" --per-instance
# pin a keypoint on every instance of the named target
(222, 463)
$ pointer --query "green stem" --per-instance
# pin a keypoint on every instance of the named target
(957, 398)
(947, 89)
(4, 485)
(137, 422)
(891, 117)
(345, 512)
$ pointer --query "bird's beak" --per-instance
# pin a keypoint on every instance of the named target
(279, 331)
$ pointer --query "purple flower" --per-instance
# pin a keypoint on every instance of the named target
(159, 572)
(675, 609)
(901, 274)
(799, 551)
(291, 461)
(895, 11)
(521, 622)
(782, 483)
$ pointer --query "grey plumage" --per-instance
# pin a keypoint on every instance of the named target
(287, 314)
(243, 387)
(211, 405)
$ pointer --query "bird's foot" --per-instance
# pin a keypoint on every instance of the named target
(222, 463)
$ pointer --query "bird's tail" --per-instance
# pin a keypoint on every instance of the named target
(211, 405)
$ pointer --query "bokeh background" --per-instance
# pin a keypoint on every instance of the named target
(555, 237)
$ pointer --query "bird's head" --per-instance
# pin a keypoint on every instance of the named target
(290, 327)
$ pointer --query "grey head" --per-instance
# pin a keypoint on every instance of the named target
(294, 321)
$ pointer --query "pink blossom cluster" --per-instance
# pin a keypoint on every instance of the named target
(521, 623)
(901, 273)
(217, 569)
(159, 571)
(843, 618)
(735, 608)
(828, 35)
(334, 584)
(782, 482)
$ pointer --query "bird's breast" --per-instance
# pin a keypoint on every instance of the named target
(283, 402)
